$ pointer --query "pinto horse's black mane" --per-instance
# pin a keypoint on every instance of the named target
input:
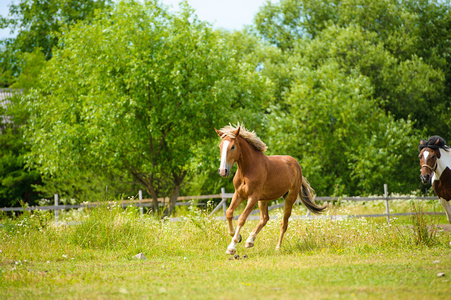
(434, 142)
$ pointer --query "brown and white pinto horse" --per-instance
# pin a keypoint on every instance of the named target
(260, 178)
(435, 160)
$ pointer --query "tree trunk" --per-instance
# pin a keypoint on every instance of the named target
(172, 201)
(154, 195)
(174, 194)
(148, 185)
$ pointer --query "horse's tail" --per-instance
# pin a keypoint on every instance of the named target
(307, 195)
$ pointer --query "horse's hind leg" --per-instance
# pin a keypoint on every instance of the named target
(289, 201)
(447, 208)
(264, 217)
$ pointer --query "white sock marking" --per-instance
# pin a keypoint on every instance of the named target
(251, 239)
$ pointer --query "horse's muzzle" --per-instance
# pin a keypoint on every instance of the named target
(425, 179)
(224, 172)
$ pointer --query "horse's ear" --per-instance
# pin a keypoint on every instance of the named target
(237, 132)
(437, 141)
(219, 132)
(422, 141)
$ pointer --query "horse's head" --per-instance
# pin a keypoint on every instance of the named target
(230, 151)
(428, 160)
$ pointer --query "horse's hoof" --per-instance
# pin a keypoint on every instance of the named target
(230, 251)
(249, 245)
(277, 249)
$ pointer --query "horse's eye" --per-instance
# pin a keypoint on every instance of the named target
(233, 147)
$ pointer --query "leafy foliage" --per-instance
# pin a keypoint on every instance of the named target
(410, 69)
(357, 91)
(139, 90)
(37, 24)
(15, 180)
(128, 93)
(344, 142)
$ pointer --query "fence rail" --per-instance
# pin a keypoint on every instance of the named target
(140, 202)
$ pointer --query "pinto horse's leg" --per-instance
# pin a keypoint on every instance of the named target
(447, 208)
(241, 220)
(264, 218)
(289, 201)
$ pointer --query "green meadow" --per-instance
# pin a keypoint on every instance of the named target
(90, 254)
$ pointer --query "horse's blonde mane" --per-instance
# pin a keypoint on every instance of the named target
(249, 136)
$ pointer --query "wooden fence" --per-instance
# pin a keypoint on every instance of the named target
(140, 202)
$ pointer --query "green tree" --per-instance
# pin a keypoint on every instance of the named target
(344, 142)
(38, 24)
(287, 21)
(15, 180)
(403, 88)
(413, 35)
(31, 65)
(361, 81)
(138, 90)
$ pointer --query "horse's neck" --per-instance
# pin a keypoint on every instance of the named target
(442, 163)
(249, 156)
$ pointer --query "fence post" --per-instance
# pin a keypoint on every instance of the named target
(56, 208)
(387, 206)
(224, 206)
(140, 197)
(222, 203)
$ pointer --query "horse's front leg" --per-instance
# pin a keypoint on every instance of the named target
(241, 220)
(447, 208)
(236, 200)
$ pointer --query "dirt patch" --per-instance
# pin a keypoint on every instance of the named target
(445, 227)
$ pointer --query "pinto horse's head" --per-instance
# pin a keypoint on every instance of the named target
(230, 151)
(429, 154)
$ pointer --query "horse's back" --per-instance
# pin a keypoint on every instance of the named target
(282, 161)
(283, 174)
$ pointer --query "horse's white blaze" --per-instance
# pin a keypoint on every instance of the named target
(224, 155)
(425, 156)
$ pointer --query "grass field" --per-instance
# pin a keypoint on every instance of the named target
(93, 258)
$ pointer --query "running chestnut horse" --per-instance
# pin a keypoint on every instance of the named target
(435, 160)
(260, 178)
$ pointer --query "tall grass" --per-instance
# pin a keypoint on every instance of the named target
(118, 231)
(424, 230)
(89, 254)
